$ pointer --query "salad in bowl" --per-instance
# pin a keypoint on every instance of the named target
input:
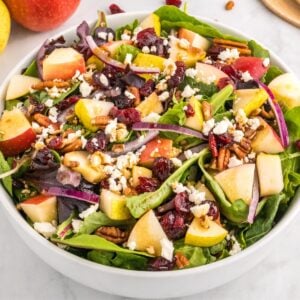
(161, 145)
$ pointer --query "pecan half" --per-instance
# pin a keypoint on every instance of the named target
(246, 145)
(238, 150)
(250, 134)
(44, 121)
(101, 120)
(206, 110)
(73, 146)
(135, 91)
(117, 148)
(50, 84)
(223, 158)
(242, 47)
(112, 234)
(181, 260)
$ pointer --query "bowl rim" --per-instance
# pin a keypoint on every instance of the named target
(16, 217)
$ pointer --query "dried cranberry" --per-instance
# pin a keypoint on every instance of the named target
(36, 107)
(179, 75)
(224, 82)
(182, 203)
(148, 88)
(162, 168)
(66, 103)
(101, 80)
(214, 211)
(109, 35)
(147, 185)
(127, 116)
(55, 143)
(189, 111)
(214, 51)
(298, 145)
(230, 71)
(161, 264)
(104, 184)
(97, 143)
(223, 139)
(174, 2)
(122, 101)
(115, 9)
(212, 143)
(173, 224)
(43, 160)
(146, 37)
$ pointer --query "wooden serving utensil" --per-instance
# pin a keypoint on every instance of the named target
(288, 10)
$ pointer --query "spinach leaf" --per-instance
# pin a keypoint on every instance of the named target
(123, 50)
(97, 219)
(206, 90)
(172, 17)
(129, 27)
(264, 221)
(292, 118)
(257, 50)
(94, 242)
(237, 211)
(5, 167)
(140, 204)
(271, 74)
(120, 260)
(32, 70)
(67, 93)
(218, 100)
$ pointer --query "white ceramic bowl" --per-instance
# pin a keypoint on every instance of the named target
(141, 284)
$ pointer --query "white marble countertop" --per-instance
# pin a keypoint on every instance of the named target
(24, 276)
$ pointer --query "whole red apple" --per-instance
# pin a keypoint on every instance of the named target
(41, 15)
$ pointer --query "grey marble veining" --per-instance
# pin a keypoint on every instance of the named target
(25, 276)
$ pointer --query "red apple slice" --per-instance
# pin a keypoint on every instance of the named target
(19, 86)
(17, 134)
(267, 140)
(254, 65)
(63, 63)
(208, 74)
(42, 208)
(196, 40)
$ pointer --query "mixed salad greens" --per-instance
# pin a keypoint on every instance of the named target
(162, 145)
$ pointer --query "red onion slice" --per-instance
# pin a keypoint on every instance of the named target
(104, 57)
(75, 194)
(283, 130)
(168, 127)
(254, 200)
(136, 144)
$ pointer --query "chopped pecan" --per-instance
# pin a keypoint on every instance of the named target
(44, 121)
(239, 151)
(223, 158)
(229, 5)
(73, 146)
(246, 145)
(50, 84)
(206, 110)
(129, 191)
(181, 260)
(267, 114)
(135, 91)
(101, 120)
(112, 234)
(242, 47)
(250, 134)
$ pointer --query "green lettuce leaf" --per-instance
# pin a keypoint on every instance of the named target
(123, 50)
(174, 115)
(257, 50)
(271, 74)
(98, 219)
(292, 118)
(129, 27)
(219, 99)
(5, 167)
(172, 17)
(32, 70)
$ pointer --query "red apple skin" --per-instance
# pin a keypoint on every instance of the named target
(37, 199)
(18, 144)
(41, 15)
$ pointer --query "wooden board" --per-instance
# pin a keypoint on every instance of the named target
(288, 10)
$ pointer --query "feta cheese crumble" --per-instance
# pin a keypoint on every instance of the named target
(177, 162)
(246, 76)
(76, 224)
(85, 89)
(131, 245)
(229, 54)
(45, 228)
(222, 127)
(152, 118)
(128, 59)
(191, 72)
(266, 62)
(208, 126)
(146, 50)
(234, 162)
(164, 96)
(187, 92)
(89, 211)
(238, 135)
(254, 123)
(111, 129)
(236, 248)
(200, 210)
(167, 249)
